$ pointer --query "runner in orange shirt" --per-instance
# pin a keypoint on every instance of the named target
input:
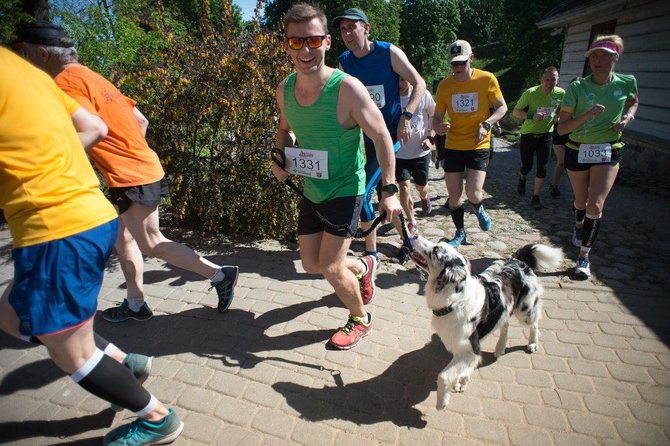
(130, 168)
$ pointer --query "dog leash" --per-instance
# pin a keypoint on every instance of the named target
(279, 157)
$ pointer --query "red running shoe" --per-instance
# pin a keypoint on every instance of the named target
(426, 206)
(352, 332)
(367, 279)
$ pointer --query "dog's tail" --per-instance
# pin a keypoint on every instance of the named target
(540, 257)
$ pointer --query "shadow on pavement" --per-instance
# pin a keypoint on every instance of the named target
(236, 337)
(391, 396)
(21, 430)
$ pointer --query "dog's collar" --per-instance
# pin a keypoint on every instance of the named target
(443, 311)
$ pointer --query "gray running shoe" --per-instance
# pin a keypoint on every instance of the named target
(123, 313)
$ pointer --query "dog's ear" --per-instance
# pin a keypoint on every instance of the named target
(454, 272)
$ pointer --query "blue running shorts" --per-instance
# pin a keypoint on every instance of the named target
(56, 284)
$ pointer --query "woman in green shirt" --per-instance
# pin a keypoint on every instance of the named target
(595, 111)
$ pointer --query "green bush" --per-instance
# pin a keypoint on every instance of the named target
(211, 105)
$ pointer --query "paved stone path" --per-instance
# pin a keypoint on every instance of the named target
(260, 374)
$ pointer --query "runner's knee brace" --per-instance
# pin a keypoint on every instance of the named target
(108, 379)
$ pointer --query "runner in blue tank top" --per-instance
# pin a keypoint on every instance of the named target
(379, 66)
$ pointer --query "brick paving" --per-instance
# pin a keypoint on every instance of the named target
(261, 374)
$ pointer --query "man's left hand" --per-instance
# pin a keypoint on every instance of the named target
(404, 130)
(391, 205)
(480, 134)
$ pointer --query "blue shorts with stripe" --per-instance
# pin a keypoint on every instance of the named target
(56, 283)
(373, 175)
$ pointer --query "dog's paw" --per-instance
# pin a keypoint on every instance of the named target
(532, 348)
(461, 384)
(442, 401)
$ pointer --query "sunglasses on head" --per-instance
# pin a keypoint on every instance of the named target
(314, 42)
(458, 64)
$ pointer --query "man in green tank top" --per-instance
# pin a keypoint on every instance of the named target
(327, 109)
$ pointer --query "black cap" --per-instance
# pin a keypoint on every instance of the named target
(354, 14)
(43, 32)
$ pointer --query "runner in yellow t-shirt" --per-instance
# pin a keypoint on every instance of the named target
(64, 231)
(466, 98)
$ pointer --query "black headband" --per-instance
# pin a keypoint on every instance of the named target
(43, 32)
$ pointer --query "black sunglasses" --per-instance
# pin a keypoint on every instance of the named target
(314, 42)
(458, 64)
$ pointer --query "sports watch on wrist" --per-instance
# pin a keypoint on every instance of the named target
(408, 114)
(391, 188)
(486, 126)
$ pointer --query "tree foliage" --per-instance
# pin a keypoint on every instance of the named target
(426, 31)
(527, 49)
(13, 14)
(211, 100)
(112, 34)
(479, 21)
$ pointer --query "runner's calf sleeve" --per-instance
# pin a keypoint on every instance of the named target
(591, 229)
(457, 216)
(578, 213)
(107, 379)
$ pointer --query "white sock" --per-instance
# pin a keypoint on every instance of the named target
(218, 276)
(135, 304)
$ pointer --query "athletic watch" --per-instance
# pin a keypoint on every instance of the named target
(486, 126)
(391, 188)
(407, 114)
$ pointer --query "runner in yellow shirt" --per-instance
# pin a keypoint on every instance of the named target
(466, 97)
(64, 230)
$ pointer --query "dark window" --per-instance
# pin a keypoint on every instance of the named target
(600, 29)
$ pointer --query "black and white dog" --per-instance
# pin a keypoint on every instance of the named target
(466, 308)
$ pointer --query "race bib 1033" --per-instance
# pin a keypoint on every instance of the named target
(594, 153)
